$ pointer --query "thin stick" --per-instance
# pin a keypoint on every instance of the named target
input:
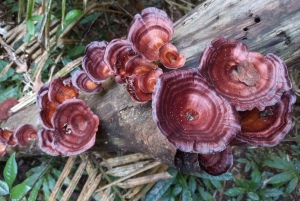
(151, 165)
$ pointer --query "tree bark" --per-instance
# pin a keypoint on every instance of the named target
(266, 26)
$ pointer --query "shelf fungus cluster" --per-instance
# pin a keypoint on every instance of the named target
(20, 136)
(132, 60)
(68, 126)
(233, 96)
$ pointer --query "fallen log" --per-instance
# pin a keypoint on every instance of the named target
(266, 26)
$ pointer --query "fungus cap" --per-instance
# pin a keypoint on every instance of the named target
(267, 127)
(192, 116)
(59, 91)
(75, 127)
(45, 140)
(149, 31)
(216, 163)
(5, 107)
(170, 57)
(24, 133)
(247, 79)
(83, 83)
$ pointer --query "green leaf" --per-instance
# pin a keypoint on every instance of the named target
(72, 16)
(291, 186)
(253, 196)
(282, 177)
(90, 18)
(77, 50)
(46, 189)
(279, 163)
(182, 181)
(8, 74)
(9, 92)
(30, 27)
(4, 189)
(186, 195)
(272, 192)
(216, 184)
(256, 176)
(176, 190)
(226, 176)
(35, 190)
(161, 187)
(36, 17)
(242, 160)
(10, 170)
(232, 192)
(247, 167)
(205, 195)
(19, 190)
(192, 184)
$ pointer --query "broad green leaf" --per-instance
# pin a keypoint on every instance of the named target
(90, 18)
(282, 177)
(9, 92)
(30, 180)
(272, 192)
(291, 186)
(205, 195)
(247, 167)
(35, 190)
(232, 192)
(226, 176)
(161, 187)
(4, 189)
(256, 176)
(253, 196)
(192, 184)
(19, 190)
(216, 184)
(279, 163)
(176, 190)
(182, 181)
(242, 160)
(46, 189)
(72, 16)
(30, 27)
(36, 17)
(77, 50)
(186, 195)
(8, 74)
(51, 181)
(10, 170)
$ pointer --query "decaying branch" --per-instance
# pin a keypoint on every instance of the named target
(266, 26)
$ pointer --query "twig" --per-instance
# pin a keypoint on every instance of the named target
(123, 9)
(36, 180)
(151, 165)
(106, 176)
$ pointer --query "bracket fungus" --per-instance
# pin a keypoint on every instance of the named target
(5, 107)
(246, 79)
(75, 127)
(59, 91)
(2, 149)
(216, 163)
(5, 135)
(24, 133)
(170, 57)
(45, 142)
(267, 127)
(83, 83)
(93, 62)
(192, 116)
(149, 31)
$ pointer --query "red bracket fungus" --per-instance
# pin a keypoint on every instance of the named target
(5, 107)
(170, 57)
(83, 83)
(216, 163)
(149, 31)
(192, 116)
(45, 142)
(147, 81)
(2, 149)
(75, 127)
(93, 62)
(247, 79)
(48, 109)
(59, 91)
(5, 136)
(267, 127)
(24, 133)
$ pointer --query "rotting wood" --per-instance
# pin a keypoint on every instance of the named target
(264, 25)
